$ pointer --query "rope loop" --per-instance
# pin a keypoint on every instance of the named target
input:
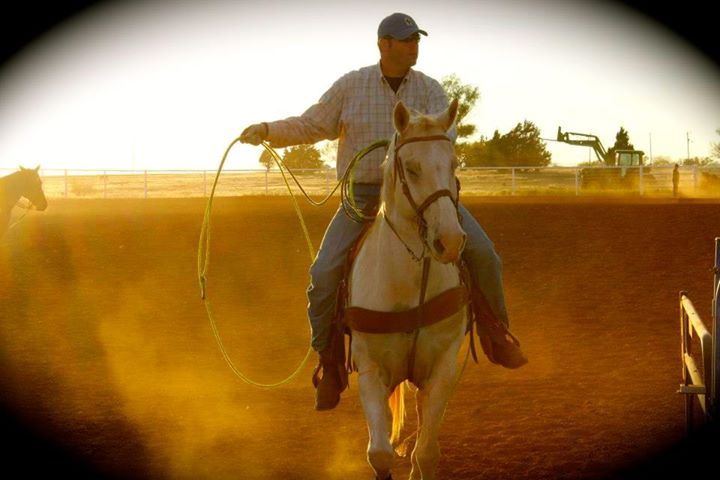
(203, 260)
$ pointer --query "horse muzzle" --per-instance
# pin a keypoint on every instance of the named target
(448, 248)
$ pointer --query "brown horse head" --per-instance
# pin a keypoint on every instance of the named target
(31, 187)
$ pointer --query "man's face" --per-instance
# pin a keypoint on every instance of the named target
(402, 53)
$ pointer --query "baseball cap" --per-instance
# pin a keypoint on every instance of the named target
(398, 26)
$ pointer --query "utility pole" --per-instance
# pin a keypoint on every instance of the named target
(687, 136)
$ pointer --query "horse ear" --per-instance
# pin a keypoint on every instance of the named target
(37, 169)
(401, 116)
(447, 118)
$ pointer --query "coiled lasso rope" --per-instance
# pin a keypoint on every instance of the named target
(204, 242)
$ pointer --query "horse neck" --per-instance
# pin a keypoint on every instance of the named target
(385, 275)
(10, 190)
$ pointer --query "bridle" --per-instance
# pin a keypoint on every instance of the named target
(432, 198)
(422, 225)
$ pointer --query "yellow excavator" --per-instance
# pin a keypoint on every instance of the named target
(623, 170)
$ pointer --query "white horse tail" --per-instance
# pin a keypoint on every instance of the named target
(397, 408)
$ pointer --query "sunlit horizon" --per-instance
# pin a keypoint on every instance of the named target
(167, 86)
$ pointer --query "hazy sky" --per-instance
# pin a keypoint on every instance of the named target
(168, 84)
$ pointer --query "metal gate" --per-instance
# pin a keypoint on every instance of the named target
(701, 381)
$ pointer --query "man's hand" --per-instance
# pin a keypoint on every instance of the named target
(254, 134)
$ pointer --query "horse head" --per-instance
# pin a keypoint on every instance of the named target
(419, 182)
(32, 187)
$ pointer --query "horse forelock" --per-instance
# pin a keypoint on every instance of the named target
(424, 125)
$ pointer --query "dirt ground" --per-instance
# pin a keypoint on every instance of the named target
(109, 367)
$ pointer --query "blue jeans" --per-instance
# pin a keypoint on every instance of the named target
(326, 271)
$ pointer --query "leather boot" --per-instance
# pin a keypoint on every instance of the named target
(329, 386)
(500, 346)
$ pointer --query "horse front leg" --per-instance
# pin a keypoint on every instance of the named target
(432, 401)
(374, 396)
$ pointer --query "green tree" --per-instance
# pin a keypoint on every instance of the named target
(520, 147)
(662, 160)
(699, 161)
(474, 154)
(622, 142)
(468, 152)
(715, 152)
(266, 160)
(328, 152)
(302, 156)
(467, 95)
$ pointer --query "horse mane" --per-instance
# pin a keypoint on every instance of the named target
(388, 166)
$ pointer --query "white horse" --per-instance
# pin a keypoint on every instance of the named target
(410, 257)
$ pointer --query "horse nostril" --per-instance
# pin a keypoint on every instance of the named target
(439, 247)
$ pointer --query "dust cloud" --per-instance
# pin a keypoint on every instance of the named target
(107, 352)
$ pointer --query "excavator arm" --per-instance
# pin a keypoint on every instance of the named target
(583, 140)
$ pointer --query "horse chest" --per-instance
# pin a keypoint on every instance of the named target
(385, 286)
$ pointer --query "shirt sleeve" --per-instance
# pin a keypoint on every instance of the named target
(319, 122)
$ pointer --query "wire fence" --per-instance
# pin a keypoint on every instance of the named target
(694, 181)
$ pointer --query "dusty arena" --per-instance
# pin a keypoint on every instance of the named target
(110, 368)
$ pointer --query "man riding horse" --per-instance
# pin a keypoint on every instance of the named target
(357, 110)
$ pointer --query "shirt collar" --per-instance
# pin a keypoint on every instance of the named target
(380, 75)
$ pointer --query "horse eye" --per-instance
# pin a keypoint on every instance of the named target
(412, 173)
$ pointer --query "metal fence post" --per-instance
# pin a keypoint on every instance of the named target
(512, 191)
(642, 189)
(685, 349)
(577, 182)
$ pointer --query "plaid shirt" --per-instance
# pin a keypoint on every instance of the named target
(357, 110)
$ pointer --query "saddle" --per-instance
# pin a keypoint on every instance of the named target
(499, 345)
